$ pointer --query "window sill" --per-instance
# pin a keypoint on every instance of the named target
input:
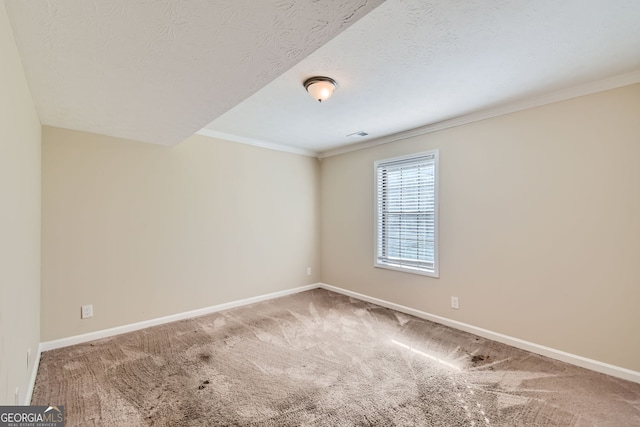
(411, 270)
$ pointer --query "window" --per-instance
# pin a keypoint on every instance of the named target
(407, 213)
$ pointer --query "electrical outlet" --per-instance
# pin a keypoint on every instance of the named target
(455, 303)
(87, 311)
(308, 271)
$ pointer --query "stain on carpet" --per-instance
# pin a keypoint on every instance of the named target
(318, 358)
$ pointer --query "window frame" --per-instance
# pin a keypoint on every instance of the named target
(398, 267)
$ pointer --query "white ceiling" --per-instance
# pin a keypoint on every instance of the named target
(412, 63)
(158, 71)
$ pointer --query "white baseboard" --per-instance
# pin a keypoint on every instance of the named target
(91, 336)
(573, 359)
(34, 373)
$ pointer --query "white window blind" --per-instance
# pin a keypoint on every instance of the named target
(406, 217)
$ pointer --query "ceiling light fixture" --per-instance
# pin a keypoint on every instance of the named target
(320, 88)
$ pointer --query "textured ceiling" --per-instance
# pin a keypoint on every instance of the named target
(412, 63)
(159, 70)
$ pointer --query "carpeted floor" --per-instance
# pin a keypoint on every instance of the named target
(319, 358)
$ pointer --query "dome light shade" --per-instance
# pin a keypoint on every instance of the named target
(320, 88)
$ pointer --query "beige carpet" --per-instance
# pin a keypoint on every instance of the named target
(322, 359)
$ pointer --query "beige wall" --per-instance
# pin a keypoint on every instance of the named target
(143, 231)
(19, 221)
(539, 226)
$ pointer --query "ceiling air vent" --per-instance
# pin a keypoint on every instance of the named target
(357, 134)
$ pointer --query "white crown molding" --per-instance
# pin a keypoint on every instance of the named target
(255, 142)
(548, 98)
